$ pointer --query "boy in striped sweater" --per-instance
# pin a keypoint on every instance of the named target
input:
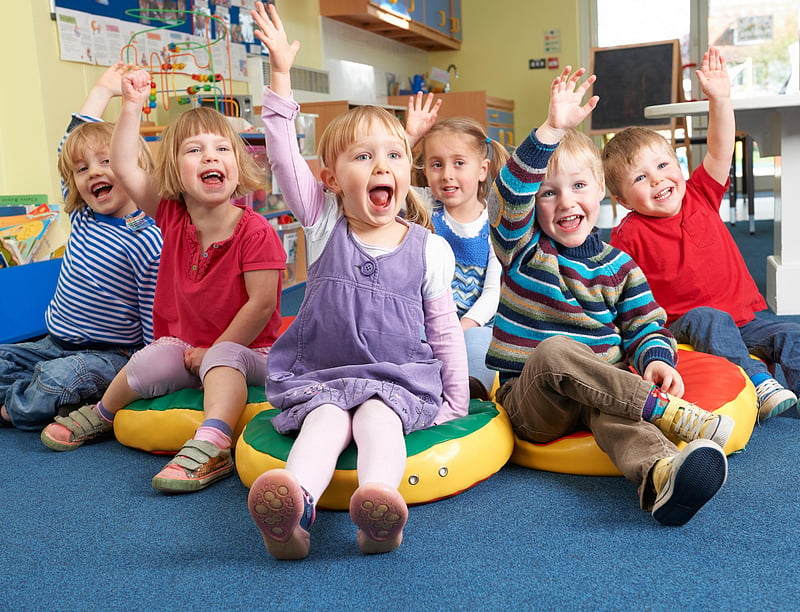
(102, 309)
(576, 315)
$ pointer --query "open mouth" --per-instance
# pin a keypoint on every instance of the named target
(212, 177)
(381, 196)
(101, 189)
(663, 194)
(570, 223)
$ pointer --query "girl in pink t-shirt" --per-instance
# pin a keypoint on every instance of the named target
(217, 303)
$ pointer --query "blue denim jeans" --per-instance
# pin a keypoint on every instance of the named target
(37, 378)
(713, 331)
(477, 340)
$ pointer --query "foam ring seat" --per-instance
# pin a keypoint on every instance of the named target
(711, 382)
(442, 460)
(163, 424)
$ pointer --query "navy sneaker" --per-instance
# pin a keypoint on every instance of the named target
(695, 476)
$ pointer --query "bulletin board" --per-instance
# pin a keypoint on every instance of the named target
(95, 32)
(631, 77)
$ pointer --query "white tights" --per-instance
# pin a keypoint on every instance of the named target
(326, 432)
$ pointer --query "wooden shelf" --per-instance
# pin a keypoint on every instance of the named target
(366, 16)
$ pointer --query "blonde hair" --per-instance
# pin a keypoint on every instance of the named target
(622, 151)
(579, 149)
(93, 136)
(196, 121)
(485, 147)
(345, 129)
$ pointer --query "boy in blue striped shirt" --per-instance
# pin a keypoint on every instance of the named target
(103, 303)
(575, 313)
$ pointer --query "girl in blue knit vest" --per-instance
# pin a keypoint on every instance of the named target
(455, 165)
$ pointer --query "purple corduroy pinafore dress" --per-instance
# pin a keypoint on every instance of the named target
(357, 336)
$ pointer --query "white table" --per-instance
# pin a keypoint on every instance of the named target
(774, 123)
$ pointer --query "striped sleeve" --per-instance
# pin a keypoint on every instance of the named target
(641, 320)
(107, 283)
(511, 204)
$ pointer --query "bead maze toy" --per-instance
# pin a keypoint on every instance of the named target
(168, 65)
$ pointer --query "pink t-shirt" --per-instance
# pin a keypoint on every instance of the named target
(198, 294)
(690, 259)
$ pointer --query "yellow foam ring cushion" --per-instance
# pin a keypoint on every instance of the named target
(163, 424)
(711, 382)
(442, 460)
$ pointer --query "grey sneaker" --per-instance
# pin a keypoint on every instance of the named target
(773, 399)
(695, 476)
(79, 426)
(689, 422)
(198, 464)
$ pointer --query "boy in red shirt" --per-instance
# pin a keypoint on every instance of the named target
(696, 272)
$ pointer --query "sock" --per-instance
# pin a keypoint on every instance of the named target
(104, 414)
(654, 405)
(760, 378)
(216, 431)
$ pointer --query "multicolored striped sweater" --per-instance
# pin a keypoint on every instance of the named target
(593, 293)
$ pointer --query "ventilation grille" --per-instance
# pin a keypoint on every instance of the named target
(303, 79)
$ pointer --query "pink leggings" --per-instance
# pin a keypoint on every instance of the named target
(326, 432)
(159, 368)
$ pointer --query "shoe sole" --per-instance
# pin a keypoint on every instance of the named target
(276, 504)
(699, 477)
(190, 485)
(57, 445)
(380, 513)
(775, 410)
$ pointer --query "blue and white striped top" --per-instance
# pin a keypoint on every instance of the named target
(107, 282)
(108, 276)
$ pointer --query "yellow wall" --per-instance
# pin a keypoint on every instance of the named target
(41, 90)
(499, 39)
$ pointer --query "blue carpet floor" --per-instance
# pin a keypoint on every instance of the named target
(85, 531)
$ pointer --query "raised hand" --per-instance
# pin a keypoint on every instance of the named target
(111, 79)
(271, 32)
(422, 113)
(566, 94)
(135, 86)
(713, 75)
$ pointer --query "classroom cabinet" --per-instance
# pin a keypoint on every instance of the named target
(327, 110)
(495, 114)
(444, 16)
(431, 25)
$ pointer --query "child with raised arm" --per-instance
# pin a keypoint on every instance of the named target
(675, 233)
(575, 314)
(456, 164)
(216, 311)
(101, 310)
(351, 366)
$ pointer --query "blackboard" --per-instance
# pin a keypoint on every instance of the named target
(631, 77)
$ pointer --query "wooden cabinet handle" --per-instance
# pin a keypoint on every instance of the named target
(455, 25)
(442, 19)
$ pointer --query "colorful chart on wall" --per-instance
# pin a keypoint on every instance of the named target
(103, 32)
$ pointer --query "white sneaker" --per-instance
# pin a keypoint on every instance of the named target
(773, 399)
(689, 422)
